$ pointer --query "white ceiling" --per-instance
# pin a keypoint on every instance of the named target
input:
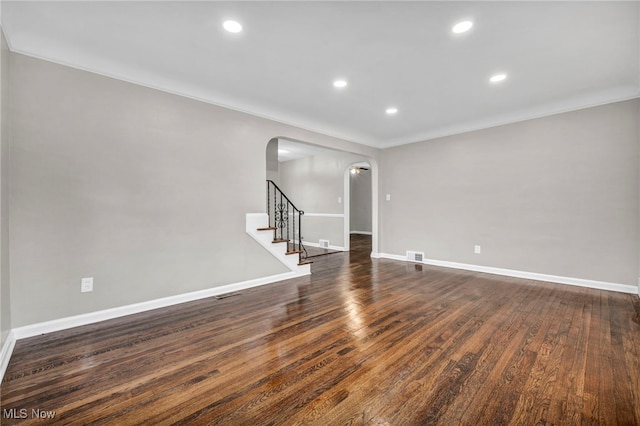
(290, 150)
(559, 56)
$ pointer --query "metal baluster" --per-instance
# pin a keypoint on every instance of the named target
(280, 208)
(275, 212)
(294, 228)
(288, 235)
(301, 247)
(284, 212)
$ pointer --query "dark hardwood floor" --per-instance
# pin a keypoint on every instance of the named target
(317, 251)
(360, 341)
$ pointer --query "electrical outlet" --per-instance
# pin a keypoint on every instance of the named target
(339, 200)
(388, 197)
(477, 249)
(86, 285)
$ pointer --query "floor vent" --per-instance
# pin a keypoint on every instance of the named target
(227, 295)
(324, 243)
(415, 256)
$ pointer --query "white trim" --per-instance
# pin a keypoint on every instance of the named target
(265, 239)
(208, 98)
(373, 165)
(617, 94)
(5, 354)
(347, 208)
(323, 214)
(106, 314)
(591, 100)
(600, 285)
(375, 189)
(361, 232)
(310, 244)
(120, 311)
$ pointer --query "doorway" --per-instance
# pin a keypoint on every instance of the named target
(359, 206)
(318, 180)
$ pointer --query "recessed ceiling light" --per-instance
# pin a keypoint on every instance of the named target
(498, 78)
(232, 26)
(283, 151)
(462, 27)
(340, 84)
(392, 110)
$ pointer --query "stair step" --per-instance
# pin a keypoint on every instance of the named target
(305, 262)
(270, 228)
(280, 241)
(294, 252)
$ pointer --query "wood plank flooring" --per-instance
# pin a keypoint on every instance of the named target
(360, 341)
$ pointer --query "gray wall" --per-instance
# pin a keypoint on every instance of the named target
(5, 292)
(557, 195)
(316, 228)
(360, 199)
(144, 191)
(314, 185)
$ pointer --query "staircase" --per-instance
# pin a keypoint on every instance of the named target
(280, 230)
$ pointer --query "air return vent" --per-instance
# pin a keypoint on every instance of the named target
(324, 243)
(415, 256)
(226, 295)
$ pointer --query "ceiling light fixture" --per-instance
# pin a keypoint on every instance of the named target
(232, 26)
(392, 110)
(283, 151)
(462, 27)
(340, 84)
(498, 78)
(356, 170)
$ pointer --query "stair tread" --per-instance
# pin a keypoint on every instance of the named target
(294, 252)
(270, 228)
(305, 262)
(280, 241)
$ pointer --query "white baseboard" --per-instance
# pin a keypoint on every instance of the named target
(5, 354)
(106, 314)
(93, 317)
(361, 232)
(600, 285)
(331, 247)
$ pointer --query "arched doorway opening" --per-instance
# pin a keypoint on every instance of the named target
(317, 179)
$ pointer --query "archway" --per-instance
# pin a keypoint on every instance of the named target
(361, 201)
(321, 188)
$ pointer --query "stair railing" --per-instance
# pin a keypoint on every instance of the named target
(286, 220)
